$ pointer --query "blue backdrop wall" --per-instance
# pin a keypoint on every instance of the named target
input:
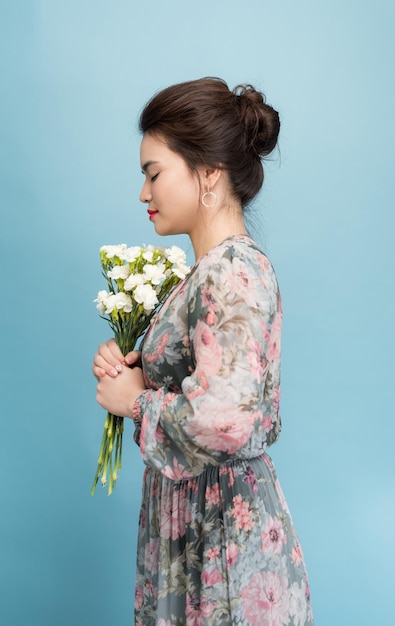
(74, 77)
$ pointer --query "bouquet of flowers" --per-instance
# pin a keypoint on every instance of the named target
(139, 279)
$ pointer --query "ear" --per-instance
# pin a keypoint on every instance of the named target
(209, 176)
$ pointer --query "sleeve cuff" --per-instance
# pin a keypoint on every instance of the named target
(136, 409)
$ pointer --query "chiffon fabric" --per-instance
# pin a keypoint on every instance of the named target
(216, 542)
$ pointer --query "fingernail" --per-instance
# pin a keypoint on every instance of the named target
(128, 359)
(113, 372)
(118, 367)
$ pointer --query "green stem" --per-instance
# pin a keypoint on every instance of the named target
(127, 331)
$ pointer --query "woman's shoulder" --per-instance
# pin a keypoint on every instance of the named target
(236, 273)
(236, 248)
(237, 259)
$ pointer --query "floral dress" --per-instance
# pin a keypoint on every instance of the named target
(216, 543)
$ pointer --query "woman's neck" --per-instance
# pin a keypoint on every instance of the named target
(222, 226)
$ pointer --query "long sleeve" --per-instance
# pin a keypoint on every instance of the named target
(227, 404)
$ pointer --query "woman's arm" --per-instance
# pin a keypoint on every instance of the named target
(233, 306)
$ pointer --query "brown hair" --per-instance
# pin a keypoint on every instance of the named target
(207, 124)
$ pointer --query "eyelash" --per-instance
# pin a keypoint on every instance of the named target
(153, 178)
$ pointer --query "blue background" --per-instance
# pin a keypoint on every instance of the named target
(74, 76)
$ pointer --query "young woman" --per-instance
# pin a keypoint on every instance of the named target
(216, 544)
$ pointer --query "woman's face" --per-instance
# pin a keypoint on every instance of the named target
(171, 189)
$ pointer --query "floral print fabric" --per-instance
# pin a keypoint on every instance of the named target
(216, 544)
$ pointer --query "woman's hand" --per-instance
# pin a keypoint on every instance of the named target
(110, 360)
(117, 395)
(118, 385)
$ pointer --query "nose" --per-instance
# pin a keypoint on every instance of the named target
(145, 194)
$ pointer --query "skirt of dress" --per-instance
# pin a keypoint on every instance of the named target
(219, 549)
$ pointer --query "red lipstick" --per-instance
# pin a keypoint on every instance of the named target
(151, 213)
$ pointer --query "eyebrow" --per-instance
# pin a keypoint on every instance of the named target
(146, 165)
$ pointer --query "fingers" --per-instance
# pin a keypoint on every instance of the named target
(108, 360)
(98, 372)
(111, 352)
(133, 358)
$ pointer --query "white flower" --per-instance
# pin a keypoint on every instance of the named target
(133, 281)
(101, 300)
(112, 251)
(145, 295)
(119, 271)
(130, 254)
(175, 255)
(148, 253)
(298, 603)
(181, 271)
(154, 273)
(123, 302)
(109, 303)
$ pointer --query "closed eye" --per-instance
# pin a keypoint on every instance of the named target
(153, 178)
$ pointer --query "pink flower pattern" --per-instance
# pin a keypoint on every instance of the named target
(273, 536)
(211, 577)
(216, 542)
(232, 552)
(207, 349)
(220, 427)
(212, 553)
(212, 495)
(297, 555)
(266, 600)
(242, 514)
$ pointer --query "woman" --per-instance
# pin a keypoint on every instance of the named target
(216, 542)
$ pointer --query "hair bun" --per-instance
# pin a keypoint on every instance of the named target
(260, 120)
